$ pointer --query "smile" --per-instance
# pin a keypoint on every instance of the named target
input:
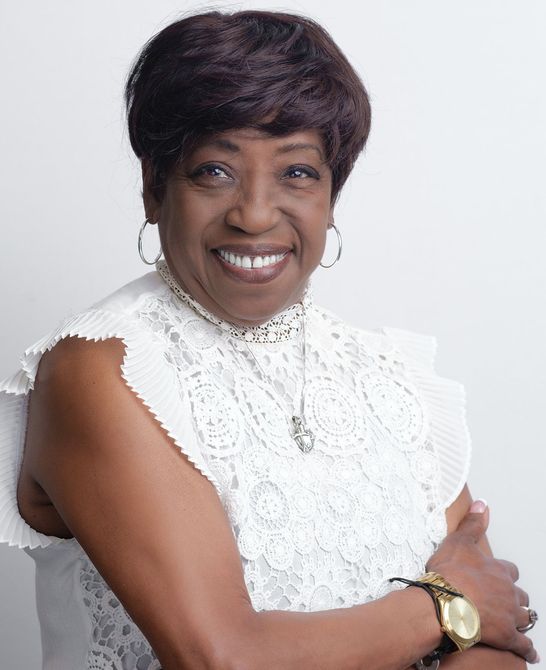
(250, 262)
(256, 266)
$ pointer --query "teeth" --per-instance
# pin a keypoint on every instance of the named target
(250, 262)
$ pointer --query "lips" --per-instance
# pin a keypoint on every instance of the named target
(253, 275)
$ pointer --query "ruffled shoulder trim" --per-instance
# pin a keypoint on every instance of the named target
(144, 370)
(446, 401)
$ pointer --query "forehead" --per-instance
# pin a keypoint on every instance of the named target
(253, 139)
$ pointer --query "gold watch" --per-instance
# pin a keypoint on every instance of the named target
(459, 617)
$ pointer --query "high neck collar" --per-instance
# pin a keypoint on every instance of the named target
(285, 325)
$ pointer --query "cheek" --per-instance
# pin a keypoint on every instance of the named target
(185, 219)
(314, 239)
(316, 223)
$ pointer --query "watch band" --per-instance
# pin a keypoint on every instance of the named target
(432, 583)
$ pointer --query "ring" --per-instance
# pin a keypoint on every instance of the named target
(533, 618)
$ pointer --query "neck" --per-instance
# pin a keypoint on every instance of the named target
(280, 326)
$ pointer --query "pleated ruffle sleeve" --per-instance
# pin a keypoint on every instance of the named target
(144, 370)
(446, 402)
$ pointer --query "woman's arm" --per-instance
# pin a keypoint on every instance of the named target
(157, 532)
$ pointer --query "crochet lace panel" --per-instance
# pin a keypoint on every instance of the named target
(315, 530)
(116, 642)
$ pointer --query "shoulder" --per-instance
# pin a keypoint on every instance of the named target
(76, 367)
(79, 404)
(130, 297)
(101, 374)
(92, 361)
(416, 349)
(115, 316)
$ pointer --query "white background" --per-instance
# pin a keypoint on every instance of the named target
(443, 219)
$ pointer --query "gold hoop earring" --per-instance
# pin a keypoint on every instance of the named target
(339, 241)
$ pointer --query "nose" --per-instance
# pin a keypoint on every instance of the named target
(254, 210)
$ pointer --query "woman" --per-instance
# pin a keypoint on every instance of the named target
(243, 492)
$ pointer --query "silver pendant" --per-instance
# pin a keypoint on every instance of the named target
(302, 435)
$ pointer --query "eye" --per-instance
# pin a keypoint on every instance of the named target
(213, 171)
(301, 172)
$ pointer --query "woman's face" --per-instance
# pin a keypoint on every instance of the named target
(243, 221)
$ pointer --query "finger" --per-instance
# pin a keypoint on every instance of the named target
(511, 568)
(473, 525)
(523, 647)
(523, 597)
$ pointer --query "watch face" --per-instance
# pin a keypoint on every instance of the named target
(463, 618)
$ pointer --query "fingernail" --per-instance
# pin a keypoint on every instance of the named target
(478, 506)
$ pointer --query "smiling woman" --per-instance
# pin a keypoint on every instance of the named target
(209, 469)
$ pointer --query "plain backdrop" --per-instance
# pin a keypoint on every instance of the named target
(443, 219)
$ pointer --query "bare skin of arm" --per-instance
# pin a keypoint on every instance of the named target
(157, 532)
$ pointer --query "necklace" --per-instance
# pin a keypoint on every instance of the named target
(301, 434)
(282, 326)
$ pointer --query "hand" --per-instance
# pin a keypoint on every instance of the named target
(488, 582)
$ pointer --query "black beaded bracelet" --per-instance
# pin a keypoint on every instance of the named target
(430, 588)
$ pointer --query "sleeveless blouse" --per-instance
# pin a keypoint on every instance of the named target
(315, 531)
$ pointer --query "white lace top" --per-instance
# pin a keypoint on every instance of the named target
(315, 530)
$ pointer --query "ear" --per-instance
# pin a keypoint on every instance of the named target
(152, 207)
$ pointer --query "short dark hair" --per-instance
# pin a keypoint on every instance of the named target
(219, 71)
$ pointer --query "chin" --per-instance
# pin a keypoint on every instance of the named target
(253, 312)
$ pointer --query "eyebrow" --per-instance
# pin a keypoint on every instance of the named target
(286, 148)
(295, 146)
